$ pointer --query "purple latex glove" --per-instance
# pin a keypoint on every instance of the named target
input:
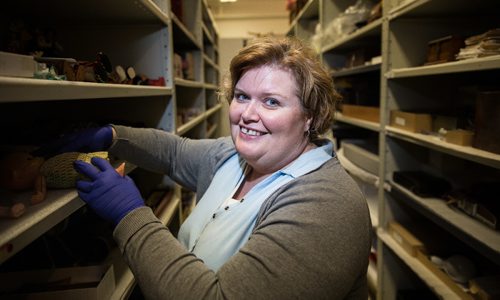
(87, 140)
(109, 194)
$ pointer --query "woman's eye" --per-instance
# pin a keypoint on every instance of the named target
(272, 102)
(240, 97)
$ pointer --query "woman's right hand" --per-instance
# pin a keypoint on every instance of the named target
(87, 140)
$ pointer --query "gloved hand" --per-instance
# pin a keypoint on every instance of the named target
(87, 140)
(109, 194)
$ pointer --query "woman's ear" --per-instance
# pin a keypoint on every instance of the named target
(308, 123)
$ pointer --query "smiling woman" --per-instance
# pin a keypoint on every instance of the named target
(276, 217)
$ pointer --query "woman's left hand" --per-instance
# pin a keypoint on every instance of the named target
(109, 194)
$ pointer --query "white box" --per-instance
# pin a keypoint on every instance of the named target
(17, 65)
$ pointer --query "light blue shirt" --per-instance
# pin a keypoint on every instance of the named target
(213, 231)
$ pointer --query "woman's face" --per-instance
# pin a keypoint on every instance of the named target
(267, 120)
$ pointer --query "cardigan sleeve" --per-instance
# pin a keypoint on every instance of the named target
(182, 159)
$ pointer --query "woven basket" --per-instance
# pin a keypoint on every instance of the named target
(59, 171)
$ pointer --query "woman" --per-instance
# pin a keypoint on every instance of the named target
(277, 217)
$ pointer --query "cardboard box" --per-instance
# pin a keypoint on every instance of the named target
(17, 65)
(78, 283)
(405, 239)
(414, 122)
(459, 137)
(366, 113)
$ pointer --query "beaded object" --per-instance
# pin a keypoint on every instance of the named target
(59, 172)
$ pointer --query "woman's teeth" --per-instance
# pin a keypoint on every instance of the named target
(250, 132)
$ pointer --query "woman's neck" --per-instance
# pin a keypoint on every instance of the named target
(253, 176)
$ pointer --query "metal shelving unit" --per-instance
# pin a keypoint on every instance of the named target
(401, 36)
(142, 34)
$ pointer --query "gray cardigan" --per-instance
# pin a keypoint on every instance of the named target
(311, 240)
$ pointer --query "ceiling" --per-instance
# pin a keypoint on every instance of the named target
(248, 9)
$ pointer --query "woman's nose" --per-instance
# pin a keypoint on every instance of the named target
(250, 112)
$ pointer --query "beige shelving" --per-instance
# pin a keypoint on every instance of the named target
(400, 37)
(144, 34)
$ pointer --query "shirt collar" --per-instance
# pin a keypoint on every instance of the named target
(310, 160)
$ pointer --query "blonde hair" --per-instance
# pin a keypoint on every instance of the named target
(314, 84)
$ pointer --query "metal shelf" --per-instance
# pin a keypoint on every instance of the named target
(355, 39)
(466, 152)
(14, 89)
(357, 122)
(468, 65)
(471, 231)
(15, 234)
(356, 70)
(111, 12)
(431, 279)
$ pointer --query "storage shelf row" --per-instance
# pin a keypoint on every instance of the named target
(469, 65)
(430, 278)
(486, 240)
(466, 152)
(142, 36)
(402, 56)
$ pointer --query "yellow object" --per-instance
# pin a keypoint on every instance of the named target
(59, 172)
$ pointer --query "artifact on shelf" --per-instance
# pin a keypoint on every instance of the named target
(405, 239)
(458, 267)
(414, 122)
(454, 271)
(375, 12)
(20, 171)
(178, 66)
(367, 113)
(459, 137)
(486, 122)
(422, 183)
(481, 45)
(479, 201)
(353, 18)
(443, 49)
(17, 65)
(294, 7)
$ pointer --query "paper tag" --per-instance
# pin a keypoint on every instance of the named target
(400, 121)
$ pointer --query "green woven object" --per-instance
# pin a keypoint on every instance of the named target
(59, 172)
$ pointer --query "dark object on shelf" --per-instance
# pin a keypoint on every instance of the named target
(480, 202)
(375, 12)
(487, 122)
(443, 49)
(422, 184)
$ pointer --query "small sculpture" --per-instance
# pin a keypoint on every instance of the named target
(20, 171)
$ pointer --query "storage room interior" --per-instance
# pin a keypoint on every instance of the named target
(418, 127)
